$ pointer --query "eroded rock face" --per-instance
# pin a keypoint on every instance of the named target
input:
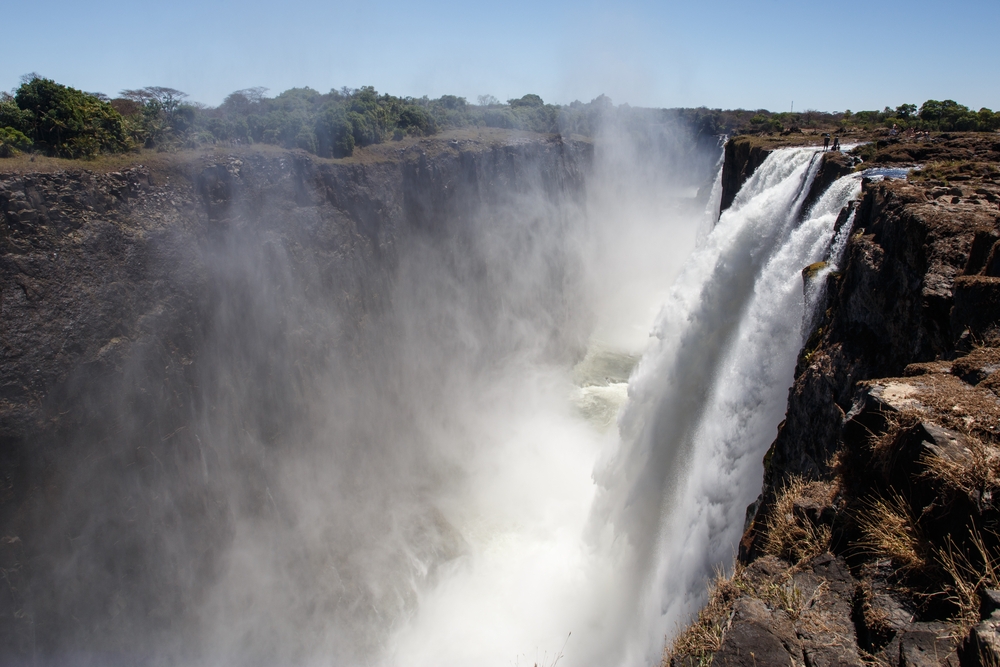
(892, 307)
(138, 307)
(741, 159)
(895, 407)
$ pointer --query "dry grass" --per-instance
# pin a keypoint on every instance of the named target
(792, 537)
(968, 575)
(890, 531)
(975, 476)
(698, 643)
(390, 151)
(885, 445)
(873, 660)
(700, 640)
(875, 618)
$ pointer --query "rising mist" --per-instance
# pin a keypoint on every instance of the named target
(352, 417)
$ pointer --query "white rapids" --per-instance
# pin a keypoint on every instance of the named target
(589, 544)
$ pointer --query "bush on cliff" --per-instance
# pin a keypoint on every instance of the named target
(933, 115)
(12, 142)
(66, 122)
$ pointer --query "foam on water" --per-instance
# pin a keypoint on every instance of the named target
(573, 526)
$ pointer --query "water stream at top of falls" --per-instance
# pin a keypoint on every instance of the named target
(611, 534)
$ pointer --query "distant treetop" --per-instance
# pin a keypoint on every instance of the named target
(56, 119)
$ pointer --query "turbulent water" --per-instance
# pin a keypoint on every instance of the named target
(615, 541)
(506, 468)
(707, 397)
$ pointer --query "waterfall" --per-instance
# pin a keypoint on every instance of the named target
(440, 444)
(623, 559)
(708, 395)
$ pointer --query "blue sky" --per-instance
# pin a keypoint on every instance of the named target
(762, 54)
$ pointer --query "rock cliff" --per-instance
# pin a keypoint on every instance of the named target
(875, 538)
(140, 306)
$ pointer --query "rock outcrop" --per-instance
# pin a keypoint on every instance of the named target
(742, 157)
(139, 306)
(894, 413)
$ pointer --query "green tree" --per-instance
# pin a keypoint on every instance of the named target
(334, 133)
(68, 122)
(529, 100)
(12, 142)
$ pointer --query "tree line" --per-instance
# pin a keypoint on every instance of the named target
(45, 116)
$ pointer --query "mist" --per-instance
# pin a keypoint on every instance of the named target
(367, 443)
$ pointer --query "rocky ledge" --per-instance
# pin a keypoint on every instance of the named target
(876, 539)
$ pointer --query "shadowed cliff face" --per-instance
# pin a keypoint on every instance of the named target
(234, 392)
(193, 368)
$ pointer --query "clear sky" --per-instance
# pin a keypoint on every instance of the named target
(829, 56)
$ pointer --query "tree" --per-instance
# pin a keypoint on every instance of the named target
(529, 100)
(334, 133)
(68, 122)
(12, 142)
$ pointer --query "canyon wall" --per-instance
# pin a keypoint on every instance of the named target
(177, 338)
(864, 547)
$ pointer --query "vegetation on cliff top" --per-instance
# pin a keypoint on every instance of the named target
(62, 121)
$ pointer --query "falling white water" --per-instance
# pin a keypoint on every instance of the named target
(707, 399)
(573, 526)
(712, 208)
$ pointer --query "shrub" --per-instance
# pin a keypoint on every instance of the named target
(13, 117)
(71, 123)
(12, 142)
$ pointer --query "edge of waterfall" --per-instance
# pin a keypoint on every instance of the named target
(891, 399)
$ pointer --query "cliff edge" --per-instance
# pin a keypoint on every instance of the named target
(875, 539)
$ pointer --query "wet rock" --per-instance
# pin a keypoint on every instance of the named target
(741, 159)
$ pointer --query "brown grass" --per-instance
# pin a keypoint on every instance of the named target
(700, 640)
(890, 531)
(968, 576)
(697, 644)
(791, 537)
(876, 619)
(884, 445)
(973, 476)
(390, 151)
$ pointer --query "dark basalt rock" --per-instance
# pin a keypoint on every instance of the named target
(114, 286)
(758, 636)
(742, 157)
(899, 381)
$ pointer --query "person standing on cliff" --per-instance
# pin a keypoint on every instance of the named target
(836, 143)
(826, 140)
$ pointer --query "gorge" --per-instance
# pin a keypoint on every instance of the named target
(264, 408)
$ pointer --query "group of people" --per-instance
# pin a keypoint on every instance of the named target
(826, 142)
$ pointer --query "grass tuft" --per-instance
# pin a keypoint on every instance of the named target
(792, 537)
(890, 530)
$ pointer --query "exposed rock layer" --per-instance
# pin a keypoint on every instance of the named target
(114, 290)
(894, 411)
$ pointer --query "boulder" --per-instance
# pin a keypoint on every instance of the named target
(930, 644)
(824, 627)
(982, 646)
(758, 636)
